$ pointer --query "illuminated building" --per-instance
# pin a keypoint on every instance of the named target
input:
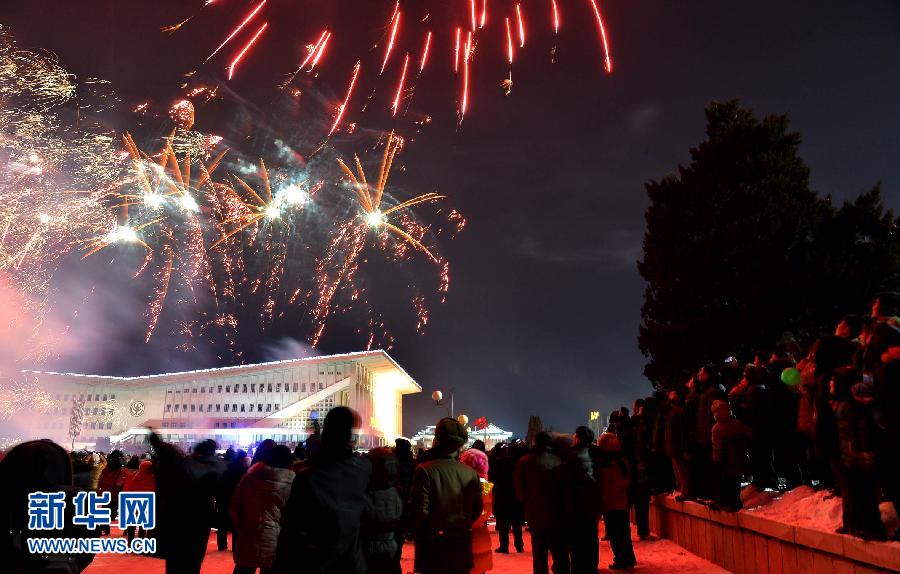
(490, 435)
(239, 406)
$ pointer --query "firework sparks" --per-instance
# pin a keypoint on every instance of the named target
(240, 56)
(339, 114)
(607, 62)
(237, 30)
(396, 104)
(425, 51)
(390, 46)
(369, 197)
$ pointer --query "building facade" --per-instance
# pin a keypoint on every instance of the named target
(236, 406)
(491, 435)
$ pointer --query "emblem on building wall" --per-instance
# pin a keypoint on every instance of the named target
(136, 408)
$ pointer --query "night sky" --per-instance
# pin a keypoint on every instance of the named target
(545, 298)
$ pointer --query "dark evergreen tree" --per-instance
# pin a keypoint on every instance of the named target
(739, 249)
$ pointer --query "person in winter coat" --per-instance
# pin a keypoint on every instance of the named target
(535, 480)
(111, 479)
(507, 510)
(33, 466)
(675, 445)
(185, 487)
(383, 515)
(730, 440)
(581, 504)
(446, 500)
(857, 437)
(320, 527)
(639, 493)
(614, 476)
(406, 464)
(234, 471)
(482, 554)
(255, 509)
(142, 480)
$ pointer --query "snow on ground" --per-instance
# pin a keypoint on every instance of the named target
(806, 507)
(654, 557)
(803, 506)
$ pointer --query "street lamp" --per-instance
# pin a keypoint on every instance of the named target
(438, 398)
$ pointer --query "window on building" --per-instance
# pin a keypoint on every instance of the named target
(177, 391)
(112, 396)
(232, 425)
(303, 388)
(321, 385)
(234, 407)
(220, 388)
(168, 408)
(218, 407)
(184, 408)
(245, 387)
(200, 407)
(194, 391)
(270, 387)
(276, 406)
(243, 408)
(277, 387)
(93, 426)
(165, 425)
(252, 387)
(251, 407)
(108, 426)
(228, 388)
(104, 397)
(269, 407)
(295, 387)
(226, 407)
(193, 408)
(176, 408)
(202, 390)
(217, 425)
(209, 408)
(259, 407)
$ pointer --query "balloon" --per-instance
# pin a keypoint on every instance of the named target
(463, 420)
(790, 376)
(437, 395)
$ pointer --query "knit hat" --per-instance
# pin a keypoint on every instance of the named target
(609, 443)
(477, 460)
(449, 436)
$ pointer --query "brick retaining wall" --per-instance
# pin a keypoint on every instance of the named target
(749, 544)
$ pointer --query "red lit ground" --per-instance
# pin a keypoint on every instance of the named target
(653, 556)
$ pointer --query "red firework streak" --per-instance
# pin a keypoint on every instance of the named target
(343, 107)
(509, 42)
(390, 46)
(606, 59)
(465, 94)
(425, 51)
(237, 59)
(320, 51)
(396, 105)
(521, 25)
(555, 16)
(240, 27)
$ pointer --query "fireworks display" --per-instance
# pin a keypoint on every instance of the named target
(215, 239)
(248, 229)
(411, 30)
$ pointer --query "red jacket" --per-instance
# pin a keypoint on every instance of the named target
(142, 481)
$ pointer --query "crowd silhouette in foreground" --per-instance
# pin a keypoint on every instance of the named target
(327, 508)
(824, 417)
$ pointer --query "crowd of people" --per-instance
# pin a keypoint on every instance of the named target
(825, 416)
(327, 508)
